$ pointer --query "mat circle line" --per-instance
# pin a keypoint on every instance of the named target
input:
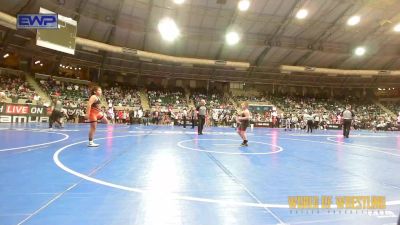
(229, 153)
(66, 136)
(165, 195)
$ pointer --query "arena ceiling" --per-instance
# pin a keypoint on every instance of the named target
(270, 34)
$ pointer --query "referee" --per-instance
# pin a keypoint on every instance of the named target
(310, 121)
(184, 117)
(348, 117)
(56, 114)
(202, 112)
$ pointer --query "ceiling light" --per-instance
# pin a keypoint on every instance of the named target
(244, 5)
(41, 64)
(6, 55)
(397, 28)
(179, 2)
(168, 29)
(37, 62)
(232, 38)
(301, 14)
(354, 20)
(360, 51)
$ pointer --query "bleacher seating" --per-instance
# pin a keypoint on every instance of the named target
(214, 99)
(242, 98)
(329, 110)
(173, 98)
(17, 89)
(393, 106)
(125, 96)
(75, 93)
(69, 93)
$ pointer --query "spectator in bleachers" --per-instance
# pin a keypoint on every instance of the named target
(15, 87)
(398, 120)
(123, 96)
(3, 96)
(171, 99)
(66, 92)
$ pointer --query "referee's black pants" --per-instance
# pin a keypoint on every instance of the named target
(310, 125)
(54, 117)
(346, 127)
(200, 126)
(51, 119)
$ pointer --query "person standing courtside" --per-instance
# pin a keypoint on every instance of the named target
(184, 117)
(347, 116)
(310, 121)
(192, 116)
(201, 118)
(56, 114)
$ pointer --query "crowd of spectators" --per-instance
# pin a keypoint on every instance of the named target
(173, 98)
(68, 93)
(394, 107)
(328, 111)
(250, 99)
(122, 96)
(15, 88)
(213, 98)
(170, 105)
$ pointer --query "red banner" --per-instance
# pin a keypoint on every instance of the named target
(17, 109)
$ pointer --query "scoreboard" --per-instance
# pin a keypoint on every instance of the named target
(61, 39)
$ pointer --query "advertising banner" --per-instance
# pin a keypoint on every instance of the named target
(22, 113)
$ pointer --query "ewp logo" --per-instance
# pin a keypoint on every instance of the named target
(37, 21)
